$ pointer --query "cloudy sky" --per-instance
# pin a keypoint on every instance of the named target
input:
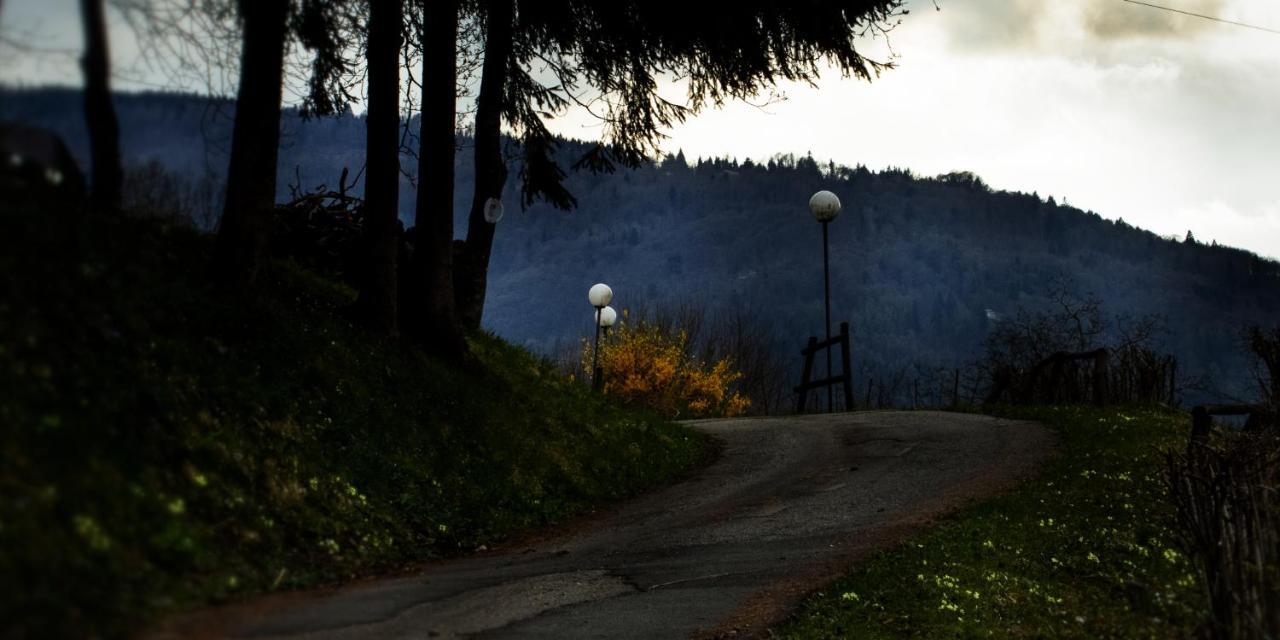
(1167, 121)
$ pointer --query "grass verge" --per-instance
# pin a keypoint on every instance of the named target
(166, 447)
(1087, 550)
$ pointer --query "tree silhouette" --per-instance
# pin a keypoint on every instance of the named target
(100, 113)
(438, 325)
(471, 270)
(266, 27)
(255, 141)
(378, 303)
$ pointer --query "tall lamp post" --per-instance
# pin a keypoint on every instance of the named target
(825, 206)
(600, 296)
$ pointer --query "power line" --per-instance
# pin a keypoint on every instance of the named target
(1201, 15)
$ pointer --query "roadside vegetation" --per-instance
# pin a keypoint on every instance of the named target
(1090, 549)
(166, 446)
(658, 366)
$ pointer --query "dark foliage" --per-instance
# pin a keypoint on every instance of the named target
(165, 446)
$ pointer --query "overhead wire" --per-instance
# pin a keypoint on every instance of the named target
(1206, 17)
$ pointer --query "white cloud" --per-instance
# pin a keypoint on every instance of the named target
(1168, 123)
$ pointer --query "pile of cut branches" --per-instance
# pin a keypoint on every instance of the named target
(320, 229)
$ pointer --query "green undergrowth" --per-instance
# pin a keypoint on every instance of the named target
(1086, 550)
(166, 447)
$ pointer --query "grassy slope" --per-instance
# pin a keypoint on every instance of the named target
(1085, 551)
(165, 447)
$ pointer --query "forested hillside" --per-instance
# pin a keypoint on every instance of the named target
(921, 266)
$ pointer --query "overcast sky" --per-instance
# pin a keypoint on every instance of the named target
(1167, 121)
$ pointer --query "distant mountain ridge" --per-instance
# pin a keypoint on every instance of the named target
(920, 265)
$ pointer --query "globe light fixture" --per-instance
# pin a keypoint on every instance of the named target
(600, 295)
(824, 206)
(607, 317)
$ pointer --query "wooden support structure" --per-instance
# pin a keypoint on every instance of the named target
(844, 378)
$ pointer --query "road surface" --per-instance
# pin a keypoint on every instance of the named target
(786, 508)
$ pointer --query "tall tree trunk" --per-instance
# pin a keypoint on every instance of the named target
(255, 140)
(376, 306)
(471, 272)
(100, 114)
(433, 258)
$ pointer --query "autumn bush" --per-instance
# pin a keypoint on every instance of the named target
(655, 365)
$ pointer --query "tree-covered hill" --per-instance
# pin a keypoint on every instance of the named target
(921, 266)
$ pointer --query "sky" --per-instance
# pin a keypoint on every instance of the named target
(1167, 121)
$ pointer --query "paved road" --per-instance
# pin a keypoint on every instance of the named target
(786, 508)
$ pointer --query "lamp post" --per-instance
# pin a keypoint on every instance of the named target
(600, 296)
(825, 206)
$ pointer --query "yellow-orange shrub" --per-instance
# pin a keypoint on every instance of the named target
(646, 365)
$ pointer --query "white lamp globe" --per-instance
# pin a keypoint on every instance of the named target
(600, 295)
(824, 206)
(608, 317)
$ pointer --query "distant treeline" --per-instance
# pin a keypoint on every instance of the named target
(922, 266)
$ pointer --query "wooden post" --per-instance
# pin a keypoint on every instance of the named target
(803, 392)
(847, 367)
(1201, 426)
(955, 390)
(1050, 394)
(1101, 393)
(596, 383)
(870, 383)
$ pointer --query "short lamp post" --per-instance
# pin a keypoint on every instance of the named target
(825, 206)
(600, 296)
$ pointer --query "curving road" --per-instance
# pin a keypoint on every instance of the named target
(787, 507)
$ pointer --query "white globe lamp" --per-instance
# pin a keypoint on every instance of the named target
(600, 295)
(824, 206)
(608, 317)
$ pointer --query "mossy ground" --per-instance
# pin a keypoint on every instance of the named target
(166, 446)
(1087, 550)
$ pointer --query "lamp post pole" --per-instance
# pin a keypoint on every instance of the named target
(826, 298)
(825, 206)
(600, 296)
(595, 355)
